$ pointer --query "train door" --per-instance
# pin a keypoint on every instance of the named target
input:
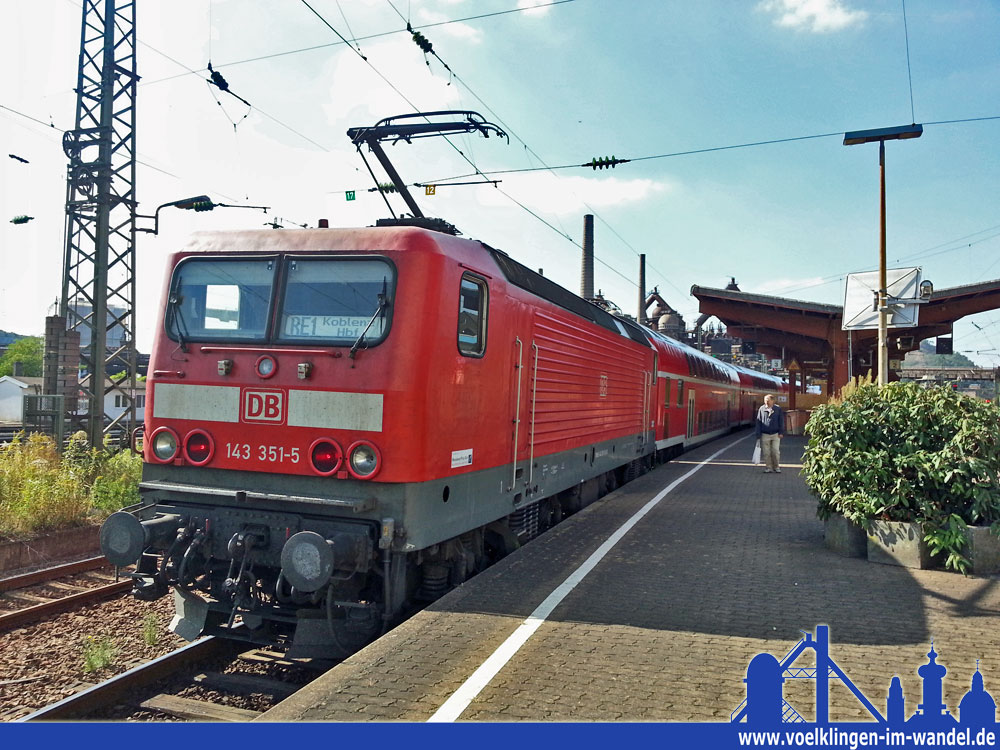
(663, 408)
(690, 425)
(519, 382)
(649, 402)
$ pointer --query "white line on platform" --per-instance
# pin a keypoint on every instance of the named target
(452, 708)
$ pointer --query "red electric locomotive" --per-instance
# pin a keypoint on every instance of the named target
(343, 422)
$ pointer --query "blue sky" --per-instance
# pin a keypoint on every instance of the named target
(570, 81)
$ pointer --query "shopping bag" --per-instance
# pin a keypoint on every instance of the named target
(755, 460)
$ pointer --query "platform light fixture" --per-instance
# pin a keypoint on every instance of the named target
(881, 135)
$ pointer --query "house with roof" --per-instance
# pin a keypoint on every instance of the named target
(12, 392)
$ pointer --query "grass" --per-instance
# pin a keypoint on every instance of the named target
(98, 653)
(41, 490)
(150, 629)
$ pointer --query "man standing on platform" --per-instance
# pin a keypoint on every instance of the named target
(770, 428)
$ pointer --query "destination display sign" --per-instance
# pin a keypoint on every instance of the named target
(329, 326)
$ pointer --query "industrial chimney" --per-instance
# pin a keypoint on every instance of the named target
(641, 314)
(587, 269)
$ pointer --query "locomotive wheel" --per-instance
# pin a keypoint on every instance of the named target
(356, 629)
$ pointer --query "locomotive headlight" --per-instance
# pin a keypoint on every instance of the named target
(363, 460)
(266, 366)
(164, 444)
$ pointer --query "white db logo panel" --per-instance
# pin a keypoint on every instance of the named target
(263, 406)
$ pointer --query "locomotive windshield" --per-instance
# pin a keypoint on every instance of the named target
(335, 301)
(220, 300)
(322, 301)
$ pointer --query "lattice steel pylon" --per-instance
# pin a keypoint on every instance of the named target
(98, 291)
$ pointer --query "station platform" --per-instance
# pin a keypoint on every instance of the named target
(730, 562)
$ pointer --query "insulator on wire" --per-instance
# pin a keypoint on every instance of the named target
(420, 40)
(217, 78)
(21, 219)
(604, 161)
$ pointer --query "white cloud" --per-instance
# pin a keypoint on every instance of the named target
(456, 29)
(531, 8)
(819, 16)
(561, 196)
(357, 95)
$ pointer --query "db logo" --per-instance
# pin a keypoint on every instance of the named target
(263, 406)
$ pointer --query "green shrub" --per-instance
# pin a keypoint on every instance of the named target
(118, 484)
(98, 653)
(41, 490)
(151, 629)
(905, 453)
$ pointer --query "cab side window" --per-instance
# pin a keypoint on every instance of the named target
(473, 302)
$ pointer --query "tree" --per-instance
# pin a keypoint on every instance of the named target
(925, 357)
(29, 351)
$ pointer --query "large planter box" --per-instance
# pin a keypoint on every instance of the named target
(845, 537)
(795, 421)
(898, 543)
(983, 550)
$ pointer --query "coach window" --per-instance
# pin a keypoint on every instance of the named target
(666, 392)
(680, 393)
(473, 299)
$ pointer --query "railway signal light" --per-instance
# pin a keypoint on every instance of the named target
(196, 203)
(202, 203)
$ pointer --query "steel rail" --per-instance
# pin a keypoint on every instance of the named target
(20, 617)
(107, 693)
(50, 574)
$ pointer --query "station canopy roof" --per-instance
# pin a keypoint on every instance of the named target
(810, 333)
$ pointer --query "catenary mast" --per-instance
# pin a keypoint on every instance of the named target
(98, 289)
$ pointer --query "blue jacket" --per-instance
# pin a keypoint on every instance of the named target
(770, 424)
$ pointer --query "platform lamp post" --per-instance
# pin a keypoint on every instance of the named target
(881, 135)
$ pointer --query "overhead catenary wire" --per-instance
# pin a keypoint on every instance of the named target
(344, 40)
(368, 37)
(920, 254)
(532, 153)
(909, 74)
(455, 148)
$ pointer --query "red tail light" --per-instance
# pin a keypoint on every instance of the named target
(326, 456)
(198, 447)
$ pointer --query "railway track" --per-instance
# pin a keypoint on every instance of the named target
(209, 680)
(35, 596)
